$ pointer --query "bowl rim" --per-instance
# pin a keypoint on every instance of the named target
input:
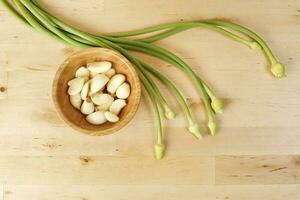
(74, 126)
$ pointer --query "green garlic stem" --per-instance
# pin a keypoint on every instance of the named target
(248, 32)
(49, 25)
(156, 111)
(170, 32)
(191, 74)
(169, 114)
(12, 11)
(31, 20)
(179, 63)
(181, 100)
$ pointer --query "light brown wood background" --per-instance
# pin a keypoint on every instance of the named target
(255, 155)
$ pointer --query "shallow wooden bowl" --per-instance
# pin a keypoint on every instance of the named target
(66, 72)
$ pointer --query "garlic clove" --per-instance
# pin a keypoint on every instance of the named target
(110, 73)
(99, 67)
(123, 91)
(71, 81)
(76, 100)
(98, 83)
(96, 118)
(76, 85)
(82, 72)
(101, 99)
(87, 107)
(105, 102)
(115, 82)
(74, 79)
(117, 106)
(111, 117)
(85, 90)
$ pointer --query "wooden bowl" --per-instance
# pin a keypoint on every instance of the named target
(66, 72)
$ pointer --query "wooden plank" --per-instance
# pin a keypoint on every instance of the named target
(1, 192)
(241, 170)
(44, 141)
(149, 192)
(3, 77)
(107, 170)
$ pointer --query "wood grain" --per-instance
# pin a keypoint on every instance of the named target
(42, 158)
(117, 192)
(258, 169)
(89, 170)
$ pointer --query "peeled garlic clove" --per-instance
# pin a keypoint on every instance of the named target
(76, 100)
(110, 73)
(82, 72)
(98, 83)
(99, 67)
(85, 90)
(100, 99)
(123, 91)
(117, 106)
(71, 81)
(111, 117)
(74, 80)
(104, 102)
(76, 85)
(96, 118)
(115, 82)
(87, 107)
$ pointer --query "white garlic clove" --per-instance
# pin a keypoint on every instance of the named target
(82, 72)
(76, 101)
(98, 83)
(115, 82)
(85, 90)
(87, 107)
(101, 99)
(110, 73)
(123, 91)
(71, 81)
(76, 85)
(96, 118)
(74, 80)
(117, 106)
(99, 67)
(111, 117)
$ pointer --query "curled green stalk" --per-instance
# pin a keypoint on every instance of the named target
(169, 114)
(178, 63)
(277, 68)
(26, 14)
(159, 147)
(198, 82)
(170, 32)
(12, 11)
(193, 126)
(216, 103)
(48, 24)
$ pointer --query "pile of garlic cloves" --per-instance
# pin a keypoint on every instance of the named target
(99, 92)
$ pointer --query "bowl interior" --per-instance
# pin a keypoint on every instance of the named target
(67, 71)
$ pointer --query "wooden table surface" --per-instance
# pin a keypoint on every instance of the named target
(255, 155)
